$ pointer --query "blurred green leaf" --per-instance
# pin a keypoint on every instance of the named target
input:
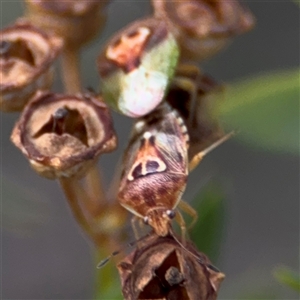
(297, 2)
(288, 277)
(23, 210)
(208, 231)
(265, 111)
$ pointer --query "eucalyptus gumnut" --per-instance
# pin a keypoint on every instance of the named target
(203, 27)
(137, 65)
(63, 135)
(27, 55)
(160, 268)
(77, 22)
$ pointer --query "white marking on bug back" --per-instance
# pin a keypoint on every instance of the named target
(141, 84)
(147, 135)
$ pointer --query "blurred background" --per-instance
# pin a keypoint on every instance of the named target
(45, 255)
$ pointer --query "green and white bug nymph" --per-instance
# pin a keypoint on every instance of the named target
(137, 65)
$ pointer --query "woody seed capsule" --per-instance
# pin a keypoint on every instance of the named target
(161, 269)
(136, 67)
(203, 27)
(26, 58)
(77, 22)
(63, 135)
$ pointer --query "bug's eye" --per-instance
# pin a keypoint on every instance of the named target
(146, 220)
(171, 213)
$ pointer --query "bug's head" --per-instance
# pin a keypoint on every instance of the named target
(160, 220)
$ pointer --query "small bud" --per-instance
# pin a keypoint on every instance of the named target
(76, 21)
(26, 58)
(63, 135)
(203, 27)
(136, 67)
(160, 268)
(195, 105)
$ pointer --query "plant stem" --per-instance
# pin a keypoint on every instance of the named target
(74, 195)
(100, 219)
(86, 200)
(93, 183)
(71, 69)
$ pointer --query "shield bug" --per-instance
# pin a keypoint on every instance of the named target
(137, 65)
(155, 168)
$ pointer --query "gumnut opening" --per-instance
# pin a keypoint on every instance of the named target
(160, 268)
(63, 135)
(26, 58)
(203, 27)
(76, 21)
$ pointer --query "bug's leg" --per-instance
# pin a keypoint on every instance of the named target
(186, 84)
(199, 156)
(184, 206)
(136, 224)
(180, 220)
(189, 86)
(186, 78)
(188, 70)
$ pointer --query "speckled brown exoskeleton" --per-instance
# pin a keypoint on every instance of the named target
(155, 170)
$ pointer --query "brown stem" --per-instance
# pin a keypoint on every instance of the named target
(74, 195)
(115, 182)
(89, 197)
(93, 183)
(71, 69)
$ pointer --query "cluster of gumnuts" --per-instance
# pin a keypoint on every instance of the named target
(148, 71)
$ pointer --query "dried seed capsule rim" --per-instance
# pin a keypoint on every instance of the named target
(67, 8)
(21, 28)
(21, 139)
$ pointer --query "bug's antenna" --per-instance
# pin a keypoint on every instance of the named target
(104, 261)
(199, 259)
(199, 156)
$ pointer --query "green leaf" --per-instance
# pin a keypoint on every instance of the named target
(23, 210)
(297, 2)
(288, 277)
(265, 111)
(208, 231)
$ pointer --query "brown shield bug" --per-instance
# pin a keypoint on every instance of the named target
(155, 169)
